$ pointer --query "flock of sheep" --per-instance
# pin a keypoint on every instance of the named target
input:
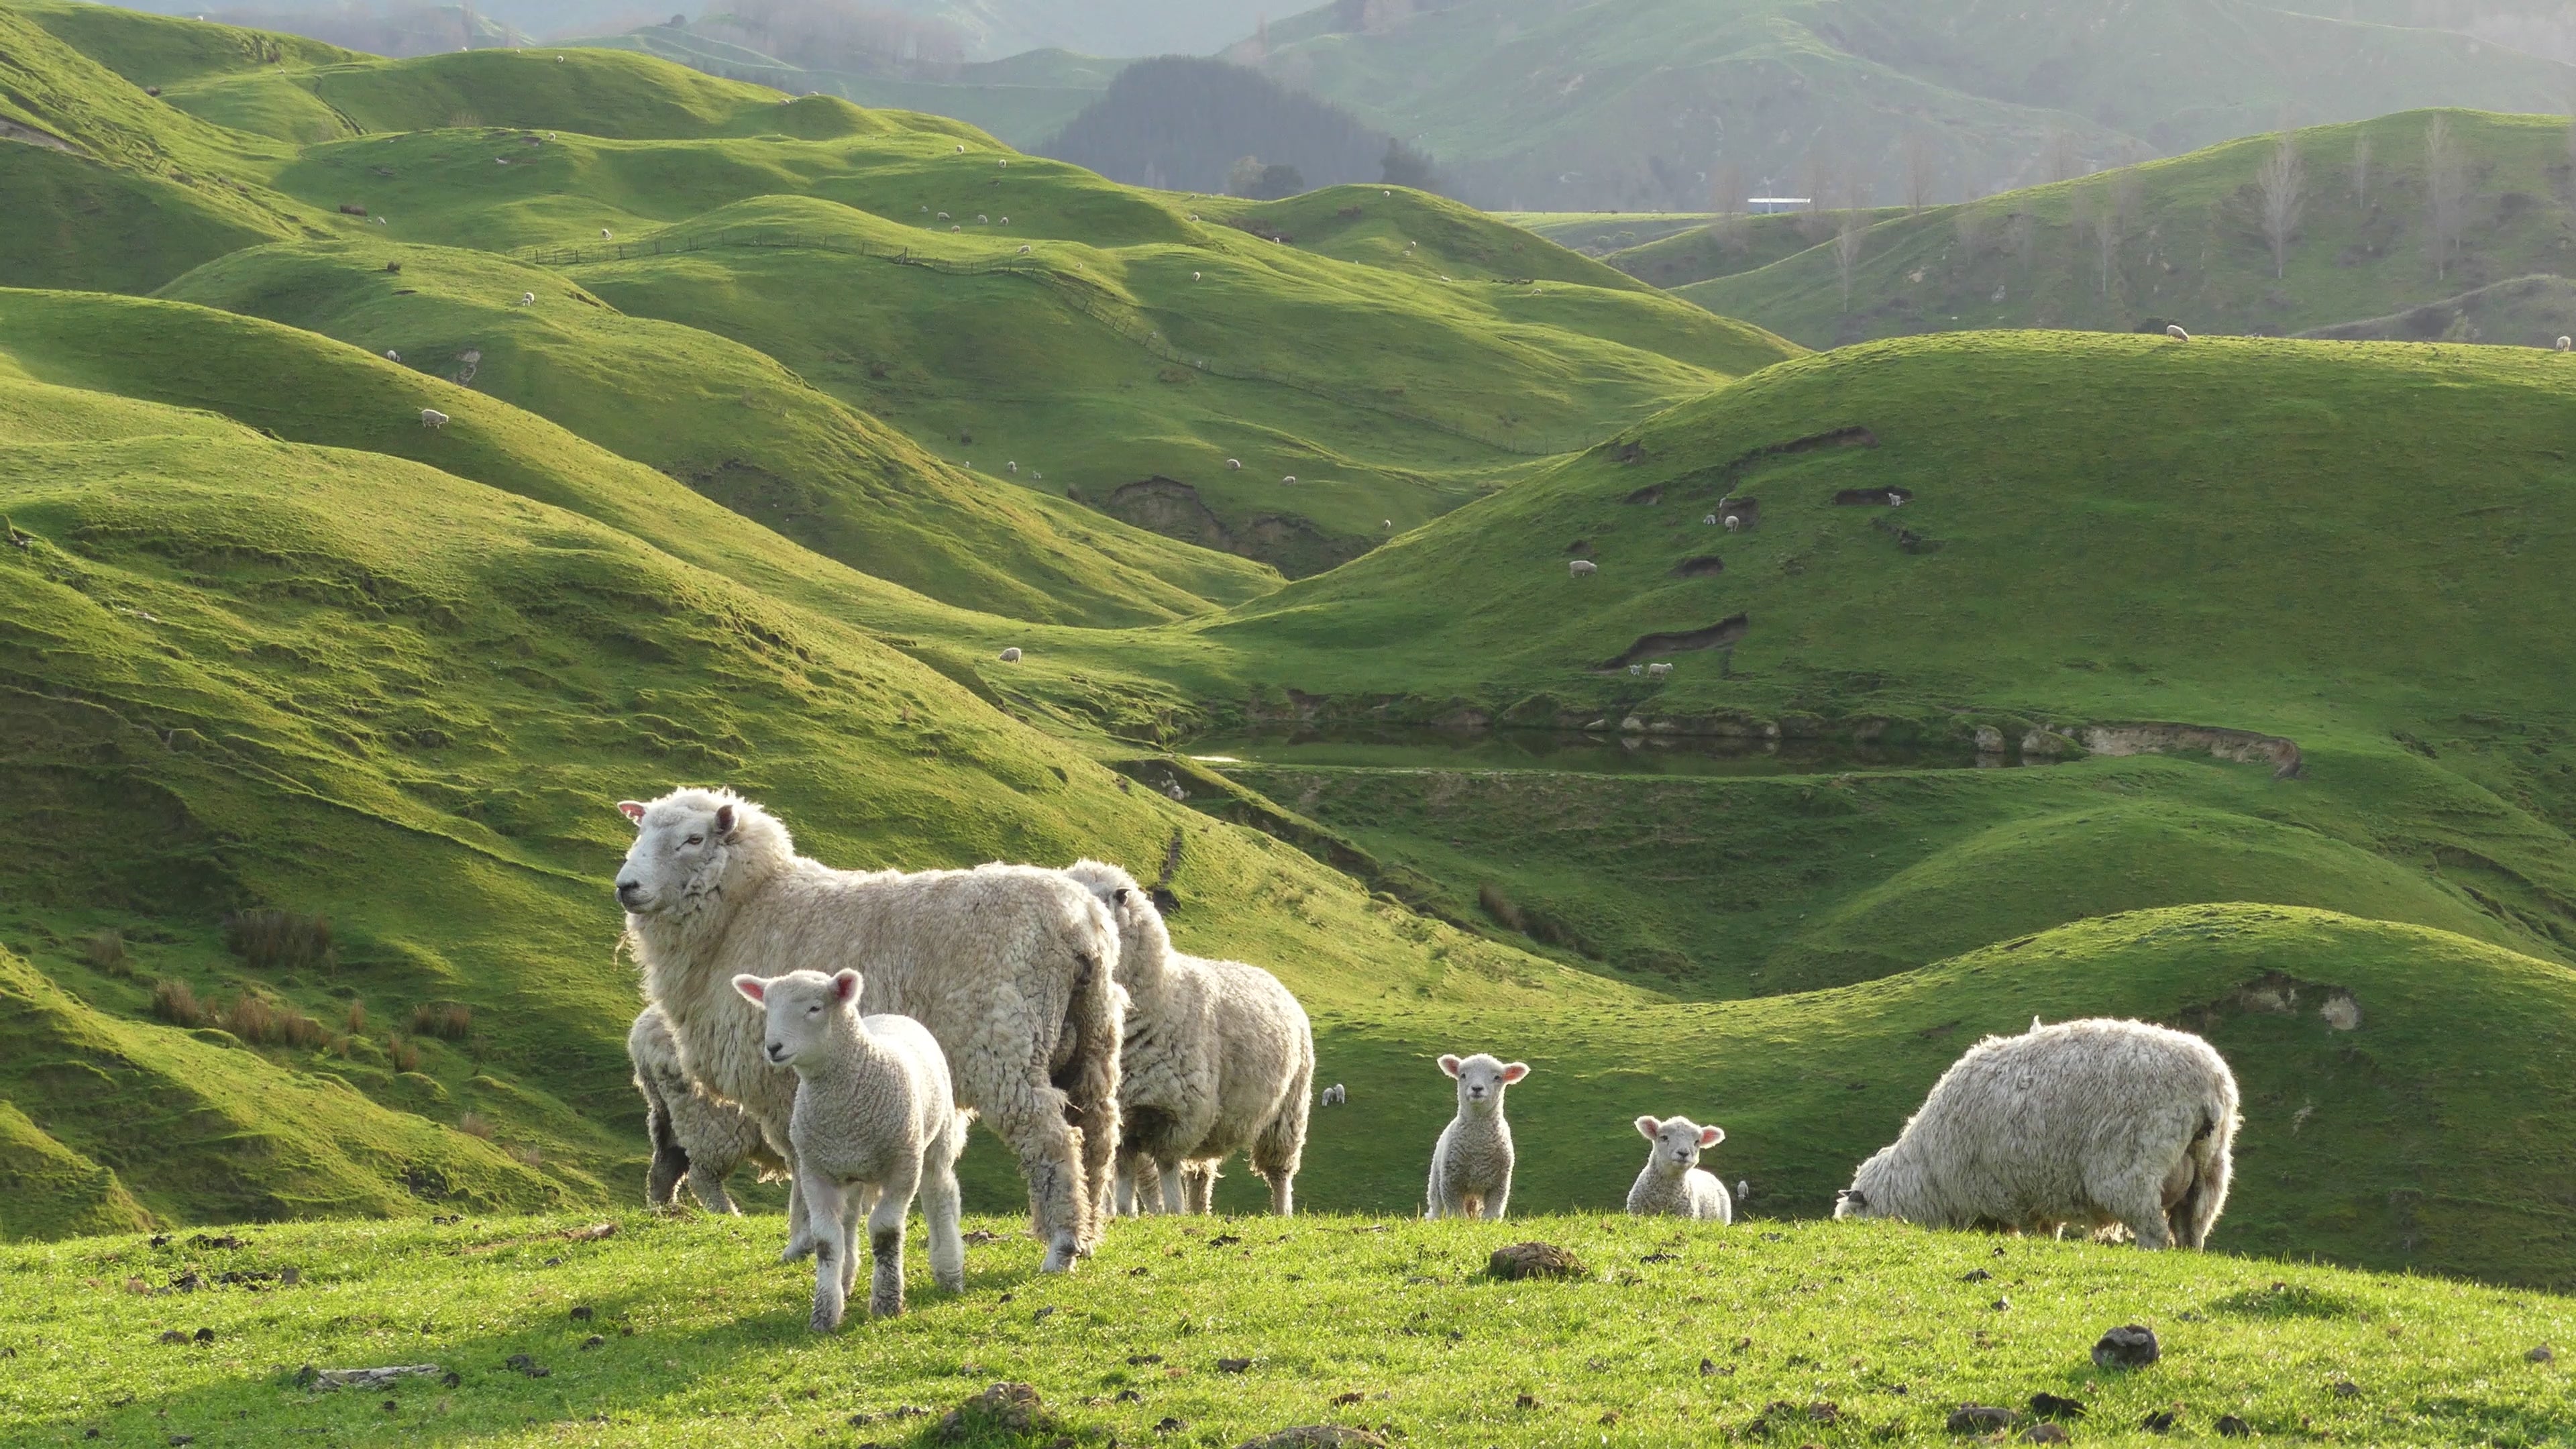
(840, 1029)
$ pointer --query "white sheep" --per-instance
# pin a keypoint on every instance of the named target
(1291, 478)
(1024, 251)
(2174, 331)
(1011, 655)
(432, 418)
(961, 150)
(380, 221)
(1636, 669)
(1387, 523)
(695, 1137)
(1673, 1184)
(392, 356)
(1333, 1096)
(1010, 967)
(1658, 671)
(1471, 1165)
(2566, 342)
(1194, 276)
(1011, 467)
(943, 216)
(2093, 1123)
(1234, 465)
(875, 1124)
(1710, 521)
(1006, 221)
(527, 299)
(1581, 567)
(606, 235)
(1734, 522)
(982, 220)
(1895, 500)
(1219, 1059)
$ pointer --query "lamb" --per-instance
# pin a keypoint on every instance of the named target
(2174, 331)
(2097, 1122)
(1011, 467)
(1673, 1183)
(1219, 1059)
(432, 418)
(1011, 655)
(1636, 669)
(1710, 521)
(1581, 567)
(874, 1112)
(1011, 968)
(1658, 671)
(1333, 1096)
(694, 1136)
(1471, 1166)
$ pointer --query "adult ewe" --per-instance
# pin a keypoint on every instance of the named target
(1010, 967)
(1218, 1059)
(2095, 1123)
(694, 1136)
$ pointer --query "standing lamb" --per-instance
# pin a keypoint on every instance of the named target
(1673, 1183)
(2095, 1122)
(875, 1123)
(1218, 1059)
(1333, 1096)
(1581, 568)
(1010, 967)
(694, 1136)
(1471, 1166)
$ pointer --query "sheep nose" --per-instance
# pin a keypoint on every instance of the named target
(626, 889)
(777, 1051)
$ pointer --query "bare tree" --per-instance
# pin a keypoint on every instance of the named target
(2361, 170)
(2060, 160)
(1817, 170)
(2106, 220)
(1921, 172)
(1726, 200)
(2446, 190)
(1847, 234)
(2281, 183)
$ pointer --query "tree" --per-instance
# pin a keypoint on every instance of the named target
(2281, 183)
(1847, 234)
(1726, 201)
(1921, 172)
(2361, 170)
(1405, 166)
(1277, 180)
(2060, 160)
(1243, 176)
(2446, 191)
(2102, 213)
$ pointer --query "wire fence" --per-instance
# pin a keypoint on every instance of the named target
(1083, 294)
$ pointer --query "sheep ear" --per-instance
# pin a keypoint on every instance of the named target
(845, 986)
(724, 818)
(1515, 1072)
(1121, 895)
(1647, 1127)
(753, 989)
(1711, 1136)
(632, 810)
(1449, 1065)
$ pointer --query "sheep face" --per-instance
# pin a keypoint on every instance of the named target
(1678, 1142)
(1854, 1201)
(1481, 1080)
(802, 1008)
(681, 845)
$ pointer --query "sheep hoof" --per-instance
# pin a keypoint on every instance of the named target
(797, 1248)
(825, 1320)
(1060, 1254)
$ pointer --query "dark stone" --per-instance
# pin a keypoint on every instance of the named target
(1979, 1419)
(2132, 1346)
(2232, 1427)
(1534, 1260)
(583, 1313)
(1975, 1275)
(1233, 1365)
(2052, 1406)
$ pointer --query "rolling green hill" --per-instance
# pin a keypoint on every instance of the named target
(2185, 242)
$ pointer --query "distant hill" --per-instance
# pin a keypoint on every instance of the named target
(1648, 104)
(1180, 124)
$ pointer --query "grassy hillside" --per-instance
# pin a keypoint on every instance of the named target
(1726, 246)
(1533, 105)
(697, 1339)
(2188, 243)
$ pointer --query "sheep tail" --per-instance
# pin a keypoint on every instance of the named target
(2211, 1152)
(670, 1164)
(1095, 1018)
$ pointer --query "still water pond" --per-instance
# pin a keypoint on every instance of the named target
(1391, 747)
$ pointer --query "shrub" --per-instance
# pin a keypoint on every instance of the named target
(473, 1125)
(267, 1023)
(273, 940)
(175, 1003)
(406, 1057)
(1500, 907)
(357, 1016)
(529, 1156)
(445, 1020)
(106, 951)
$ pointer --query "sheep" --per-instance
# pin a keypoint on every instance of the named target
(1658, 671)
(1387, 523)
(1581, 567)
(982, 220)
(2174, 331)
(1196, 276)
(527, 299)
(961, 150)
(432, 418)
(392, 356)
(2097, 1122)
(1024, 251)
(1333, 1096)
(1734, 522)
(1636, 669)
(1291, 478)
(1219, 1059)
(1673, 1184)
(943, 216)
(694, 1136)
(606, 235)
(1010, 967)
(1743, 1188)
(1234, 465)
(2566, 342)
(1011, 655)
(1710, 521)
(1895, 499)
(1006, 221)
(874, 1111)
(1471, 1166)
(380, 221)
(1011, 467)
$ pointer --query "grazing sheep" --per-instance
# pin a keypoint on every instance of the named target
(1011, 655)
(695, 1137)
(1006, 221)
(1658, 671)
(1218, 1059)
(527, 299)
(1011, 467)
(392, 356)
(1743, 1188)
(1895, 500)
(961, 150)
(1010, 967)
(874, 1112)
(2174, 331)
(1234, 465)
(1581, 567)
(1710, 521)
(1194, 276)
(1024, 251)
(380, 221)
(432, 418)
(1333, 1096)
(1471, 1166)
(2095, 1122)
(1291, 478)
(1673, 1183)
(1636, 669)
(1734, 522)
(982, 220)
(1387, 523)
(606, 235)
(2566, 342)
(943, 216)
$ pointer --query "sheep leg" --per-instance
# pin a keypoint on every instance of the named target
(1281, 1149)
(1500, 1202)
(940, 1207)
(708, 1186)
(1031, 1119)
(1199, 1178)
(800, 1239)
(1434, 1200)
(885, 1240)
(821, 1199)
(1176, 1193)
(856, 1202)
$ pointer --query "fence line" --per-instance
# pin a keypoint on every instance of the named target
(1089, 298)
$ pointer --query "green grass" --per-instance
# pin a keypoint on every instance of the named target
(2191, 249)
(1674, 1334)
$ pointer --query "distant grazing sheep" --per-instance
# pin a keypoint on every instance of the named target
(378, 220)
(1636, 669)
(1673, 1184)
(1194, 276)
(1710, 521)
(2092, 1123)
(1011, 467)
(943, 216)
(1581, 567)
(606, 235)
(957, 228)
(875, 1124)
(392, 356)
(1011, 655)
(432, 418)
(695, 1138)
(1024, 251)
(1733, 522)
(1234, 465)
(1387, 524)
(2566, 342)
(961, 150)
(1895, 500)
(982, 220)
(2174, 331)
(1291, 478)
(1006, 221)
(1471, 1166)
(1011, 968)
(527, 299)
(1658, 671)
(1333, 1096)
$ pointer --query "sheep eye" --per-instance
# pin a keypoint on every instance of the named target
(813, 1011)
(693, 840)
